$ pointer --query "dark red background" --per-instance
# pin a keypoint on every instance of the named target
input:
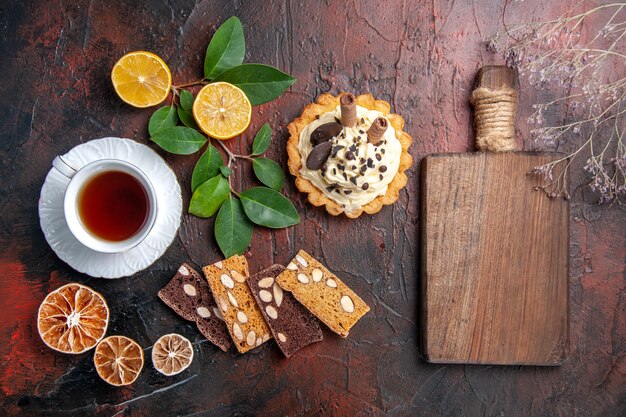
(56, 93)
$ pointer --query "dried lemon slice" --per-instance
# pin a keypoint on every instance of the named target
(172, 354)
(222, 110)
(72, 319)
(118, 360)
(141, 79)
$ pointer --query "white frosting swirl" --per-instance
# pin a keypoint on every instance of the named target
(344, 180)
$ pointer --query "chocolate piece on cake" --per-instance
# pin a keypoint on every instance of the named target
(292, 326)
(190, 297)
(320, 291)
(241, 314)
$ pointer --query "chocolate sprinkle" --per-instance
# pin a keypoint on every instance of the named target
(382, 168)
(362, 120)
(335, 150)
(349, 156)
(341, 167)
(362, 160)
(361, 131)
(370, 163)
(365, 186)
(345, 176)
(378, 157)
(346, 192)
(353, 180)
(334, 171)
(353, 166)
(382, 151)
(380, 177)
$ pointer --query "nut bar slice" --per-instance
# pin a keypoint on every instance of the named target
(190, 297)
(243, 317)
(292, 326)
(325, 295)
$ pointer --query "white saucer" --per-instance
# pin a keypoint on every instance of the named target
(104, 265)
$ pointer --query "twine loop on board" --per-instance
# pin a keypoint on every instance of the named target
(494, 114)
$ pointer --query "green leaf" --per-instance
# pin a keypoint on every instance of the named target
(269, 208)
(233, 230)
(226, 171)
(187, 119)
(179, 140)
(186, 100)
(208, 197)
(207, 167)
(162, 118)
(261, 83)
(269, 173)
(226, 49)
(262, 140)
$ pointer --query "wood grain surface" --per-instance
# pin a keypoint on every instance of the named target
(494, 261)
(56, 57)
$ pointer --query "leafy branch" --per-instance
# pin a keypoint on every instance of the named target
(264, 206)
(175, 130)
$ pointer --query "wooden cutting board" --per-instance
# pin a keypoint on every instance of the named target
(494, 284)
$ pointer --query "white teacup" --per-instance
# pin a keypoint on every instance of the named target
(78, 177)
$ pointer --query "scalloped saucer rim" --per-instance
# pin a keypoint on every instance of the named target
(117, 265)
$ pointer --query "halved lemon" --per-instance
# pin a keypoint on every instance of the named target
(222, 110)
(72, 319)
(172, 354)
(118, 360)
(141, 79)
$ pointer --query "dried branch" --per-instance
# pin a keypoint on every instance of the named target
(592, 76)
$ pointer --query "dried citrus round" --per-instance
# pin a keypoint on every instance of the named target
(222, 110)
(172, 354)
(141, 79)
(118, 360)
(72, 319)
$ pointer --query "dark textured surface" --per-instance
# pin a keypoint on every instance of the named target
(55, 93)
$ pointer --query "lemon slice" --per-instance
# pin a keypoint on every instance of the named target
(141, 79)
(72, 319)
(118, 360)
(222, 110)
(172, 354)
